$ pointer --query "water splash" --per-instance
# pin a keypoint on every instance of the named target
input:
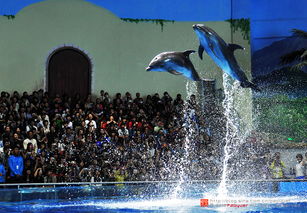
(228, 106)
(234, 136)
(184, 162)
(191, 88)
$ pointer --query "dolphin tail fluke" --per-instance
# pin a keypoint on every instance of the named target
(197, 79)
(251, 85)
(194, 76)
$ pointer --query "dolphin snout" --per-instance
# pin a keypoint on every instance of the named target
(197, 26)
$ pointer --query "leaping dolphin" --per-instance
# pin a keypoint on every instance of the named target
(221, 53)
(177, 63)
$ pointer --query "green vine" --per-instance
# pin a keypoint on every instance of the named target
(243, 24)
(161, 22)
(9, 16)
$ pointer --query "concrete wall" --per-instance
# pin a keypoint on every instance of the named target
(119, 50)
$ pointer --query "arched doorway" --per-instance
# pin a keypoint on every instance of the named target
(69, 72)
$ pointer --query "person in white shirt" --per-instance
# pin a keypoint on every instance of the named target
(42, 119)
(30, 139)
(123, 132)
(69, 122)
(46, 126)
(299, 167)
(90, 122)
(31, 126)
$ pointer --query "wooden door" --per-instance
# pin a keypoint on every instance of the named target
(69, 72)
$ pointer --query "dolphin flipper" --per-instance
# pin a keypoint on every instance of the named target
(174, 72)
(188, 52)
(200, 51)
(233, 47)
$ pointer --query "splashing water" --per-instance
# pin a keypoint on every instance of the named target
(234, 136)
(189, 130)
(235, 132)
(229, 136)
(191, 88)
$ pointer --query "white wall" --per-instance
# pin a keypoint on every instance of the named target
(120, 51)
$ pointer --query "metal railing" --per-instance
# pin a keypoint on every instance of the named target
(150, 182)
(16, 192)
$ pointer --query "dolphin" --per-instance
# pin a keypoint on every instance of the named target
(177, 63)
(222, 54)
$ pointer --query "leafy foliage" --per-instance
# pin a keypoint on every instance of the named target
(284, 116)
(300, 33)
(156, 21)
(9, 16)
(243, 24)
(299, 57)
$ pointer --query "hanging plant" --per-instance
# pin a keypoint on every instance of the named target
(9, 16)
(156, 21)
(243, 24)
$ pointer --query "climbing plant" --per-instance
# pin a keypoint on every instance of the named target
(161, 22)
(9, 16)
(243, 24)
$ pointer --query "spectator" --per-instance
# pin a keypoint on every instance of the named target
(123, 134)
(120, 175)
(7, 135)
(299, 167)
(111, 122)
(90, 122)
(65, 144)
(31, 140)
(16, 141)
(15, 162)
(277, 167)
(2, 172)
(46, 126)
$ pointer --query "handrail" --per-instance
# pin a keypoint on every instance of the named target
(148, 182)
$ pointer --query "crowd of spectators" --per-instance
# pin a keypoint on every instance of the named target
(67, 139)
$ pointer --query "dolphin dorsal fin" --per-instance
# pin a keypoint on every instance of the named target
(233, 47)
(188, 52)
(200, 52)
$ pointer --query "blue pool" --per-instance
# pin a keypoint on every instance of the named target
(156, 197)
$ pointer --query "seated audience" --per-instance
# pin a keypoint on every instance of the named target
(67, 139)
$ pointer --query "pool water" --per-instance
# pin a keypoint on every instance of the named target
(189, 205)
(147, 198)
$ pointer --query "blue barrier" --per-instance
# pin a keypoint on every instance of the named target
(293, 186)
